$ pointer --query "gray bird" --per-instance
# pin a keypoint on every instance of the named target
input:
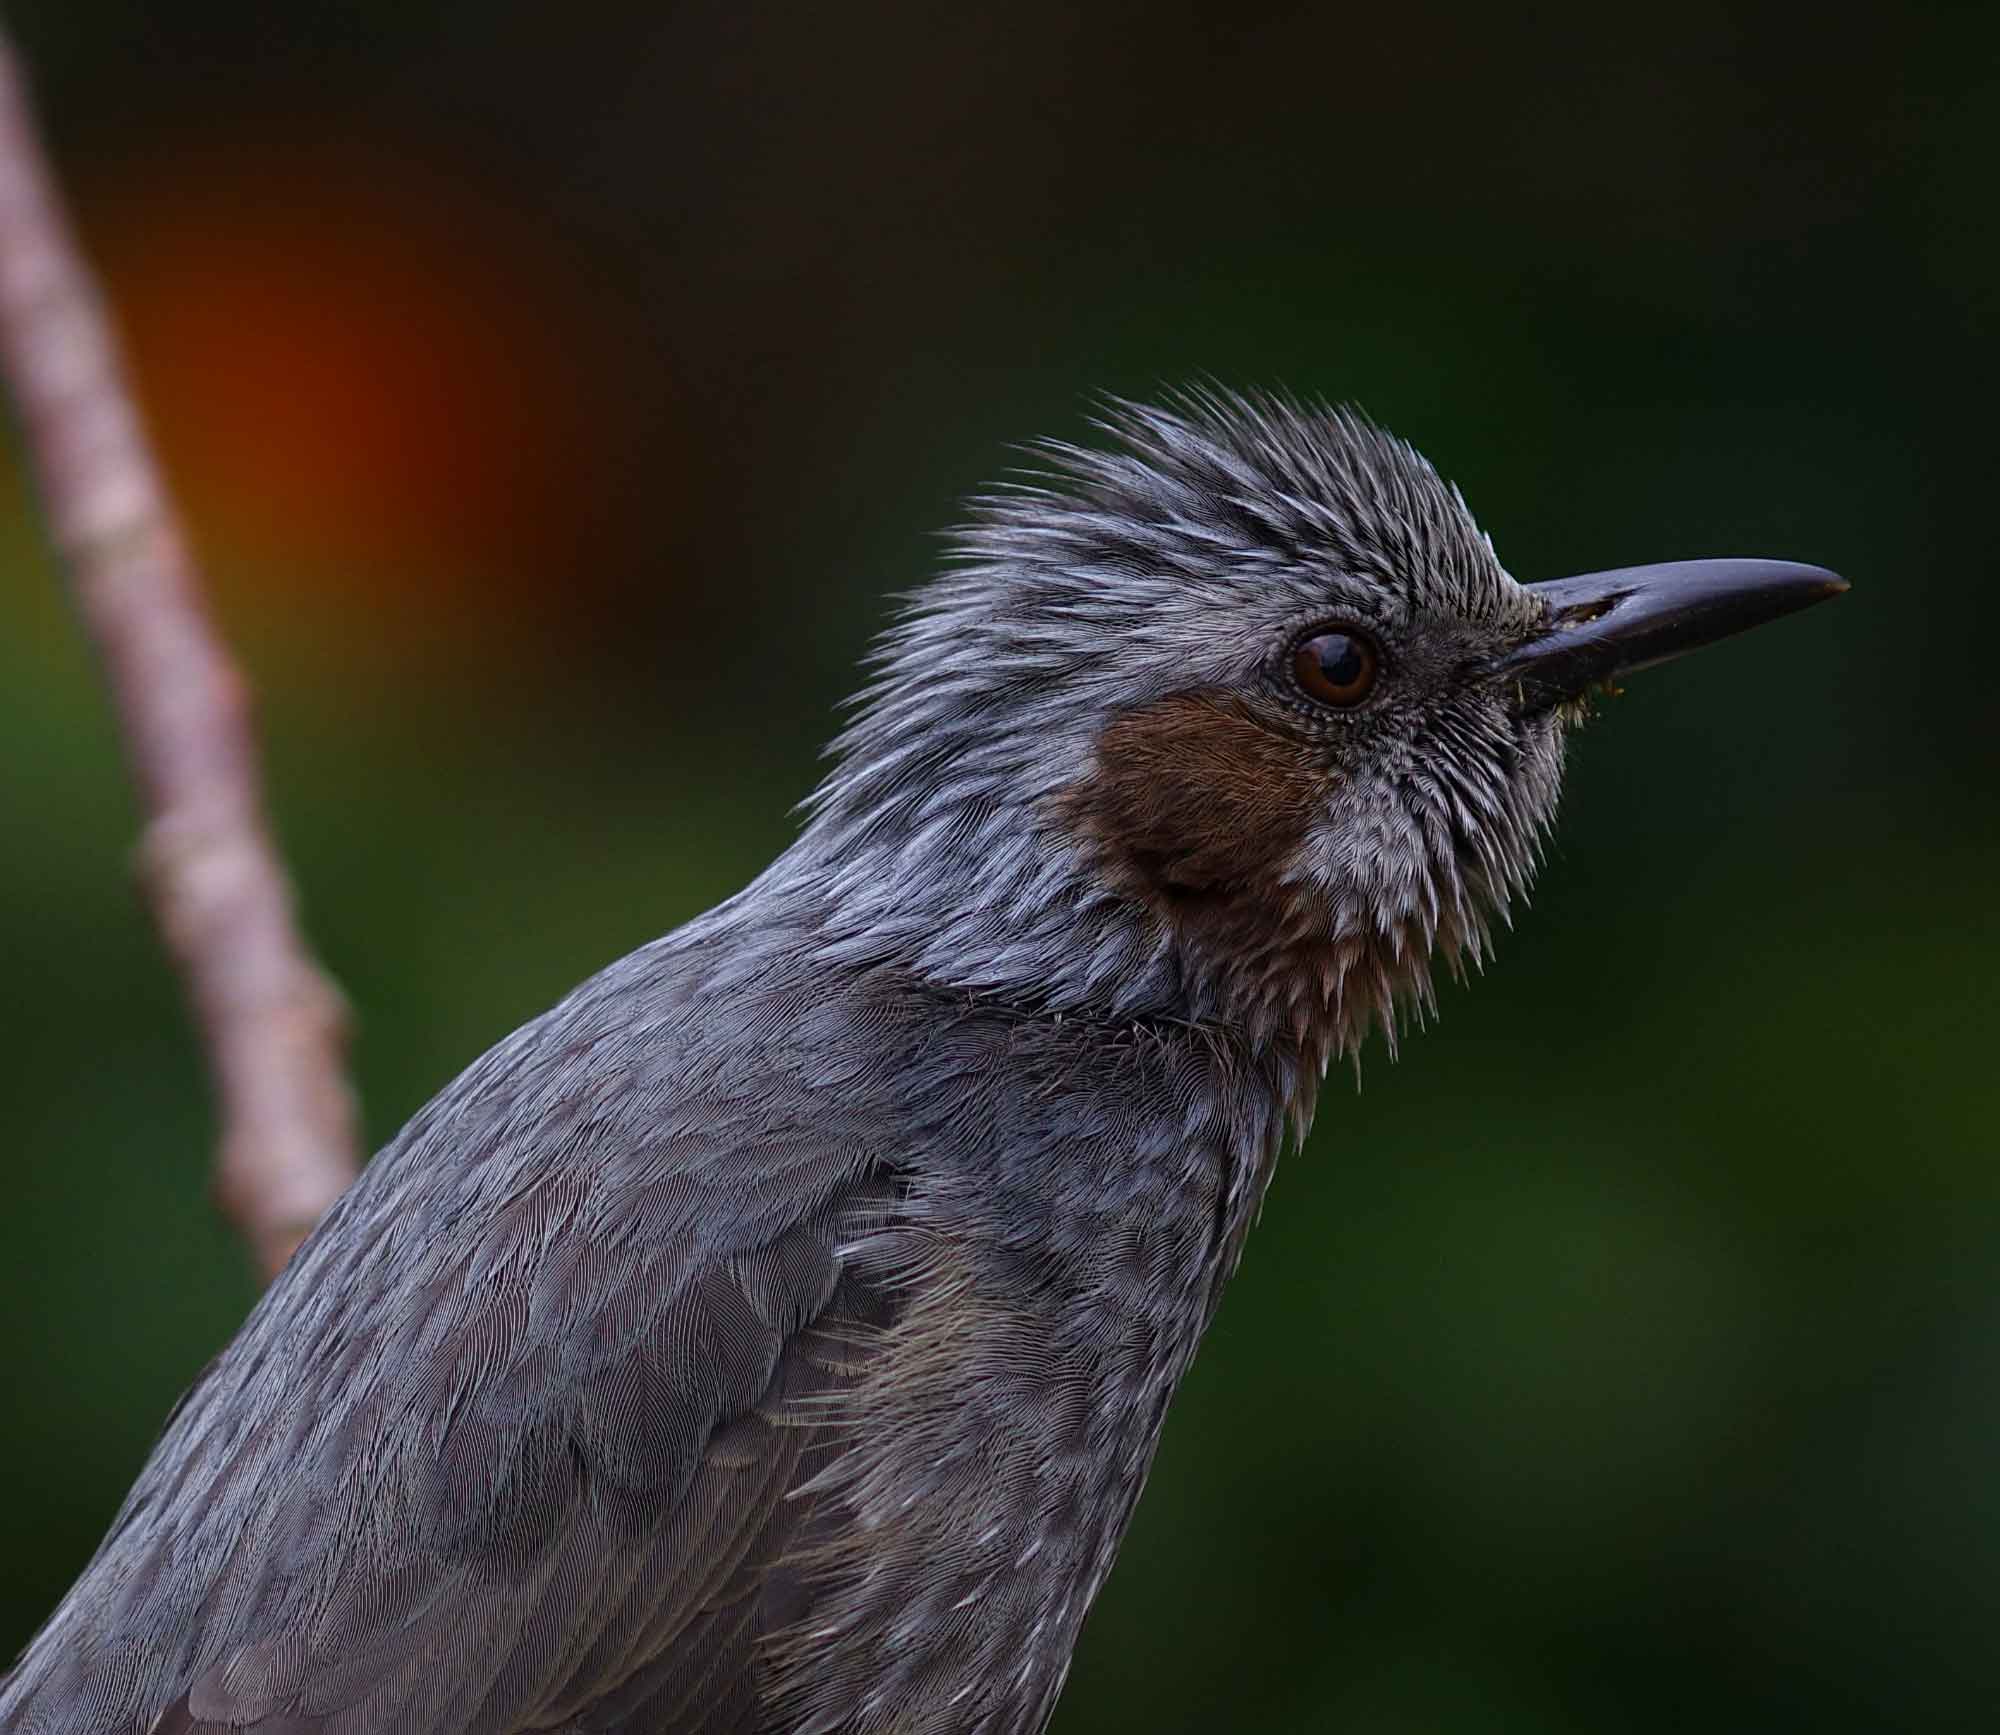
(775, 1335)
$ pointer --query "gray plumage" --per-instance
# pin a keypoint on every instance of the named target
(774, 1336)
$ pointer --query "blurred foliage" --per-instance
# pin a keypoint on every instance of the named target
(558, 401)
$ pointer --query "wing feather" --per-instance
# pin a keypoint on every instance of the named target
(511, 1445)
(613, 1565)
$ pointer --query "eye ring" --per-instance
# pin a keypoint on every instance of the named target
(1336, 666)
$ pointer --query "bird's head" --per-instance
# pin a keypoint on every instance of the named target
(1239, 721)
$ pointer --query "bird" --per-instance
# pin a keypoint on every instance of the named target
(773, 1337)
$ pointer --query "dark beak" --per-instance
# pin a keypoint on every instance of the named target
(1611, 623)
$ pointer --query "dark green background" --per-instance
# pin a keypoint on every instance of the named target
(557, 393)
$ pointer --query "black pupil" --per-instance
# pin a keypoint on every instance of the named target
(1341, 663)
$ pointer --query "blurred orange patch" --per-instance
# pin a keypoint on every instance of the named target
(361, 378)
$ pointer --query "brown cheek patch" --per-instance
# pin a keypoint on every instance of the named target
(1195, 795)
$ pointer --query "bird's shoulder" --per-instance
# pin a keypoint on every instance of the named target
(581, 1289)
(522, 1427)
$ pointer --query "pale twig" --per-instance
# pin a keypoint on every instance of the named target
(273, 1024)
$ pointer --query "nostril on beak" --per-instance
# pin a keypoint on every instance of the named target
(1583, 613)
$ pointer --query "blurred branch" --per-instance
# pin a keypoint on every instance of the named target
(272, 1022)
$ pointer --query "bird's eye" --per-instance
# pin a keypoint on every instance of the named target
(1336, 668)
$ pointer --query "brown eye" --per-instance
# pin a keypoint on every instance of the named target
(1336, 668)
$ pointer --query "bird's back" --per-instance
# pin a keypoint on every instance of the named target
(703, 1359)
